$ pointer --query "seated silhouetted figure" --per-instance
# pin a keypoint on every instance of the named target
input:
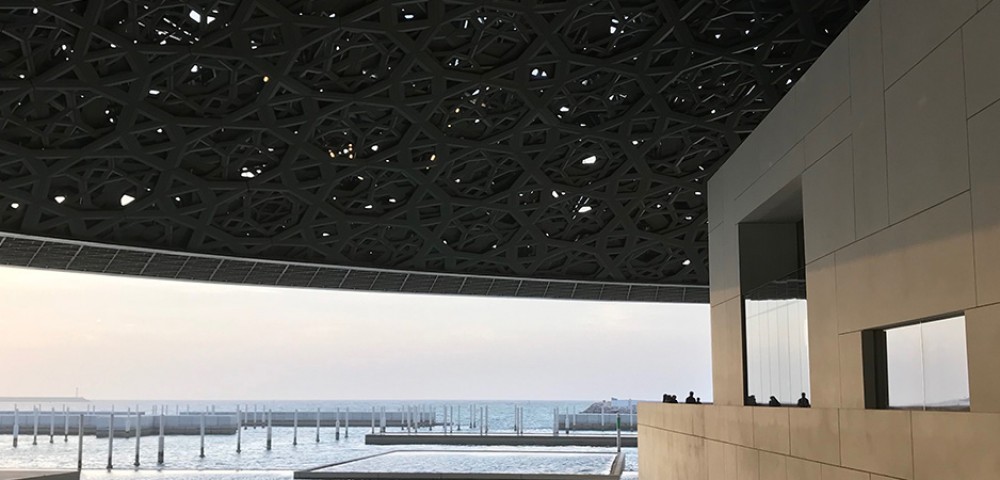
(804, 402)
(666, 398)
(698, 400)
(690, 398)
(774, 402)
(751, 401)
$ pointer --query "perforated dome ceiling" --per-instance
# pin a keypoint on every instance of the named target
(531, 140)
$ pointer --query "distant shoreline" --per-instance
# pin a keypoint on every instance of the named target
(45, 399)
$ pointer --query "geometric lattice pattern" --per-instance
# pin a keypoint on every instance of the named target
(544, 139)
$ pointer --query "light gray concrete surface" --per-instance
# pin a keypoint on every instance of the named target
(39, 474)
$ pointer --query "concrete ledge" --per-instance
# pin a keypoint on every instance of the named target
(324, 472)
(628, 441)
(39, 475)
(898, 444)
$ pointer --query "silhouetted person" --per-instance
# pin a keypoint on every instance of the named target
(698, 400)
(666, 398)
(774, 402)
(751, 401)
(690, 398)
(673, 399)
(804, 402)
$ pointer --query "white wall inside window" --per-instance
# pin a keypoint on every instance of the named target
(777, 346)
(928, 365)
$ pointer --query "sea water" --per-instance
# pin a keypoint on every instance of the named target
(221, 462)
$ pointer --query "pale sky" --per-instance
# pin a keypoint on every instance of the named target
(118, 337)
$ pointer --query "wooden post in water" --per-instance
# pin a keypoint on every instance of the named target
(138, 435)
(201, 430)
(317, 425)
(618, 437)
(16, 428)
(79, 445)
(382, 420)
(255, 416)
(295, 427)
(486, 420)
(517, 426)
(34, 432)
(66, 427)
(567, 421)
(269, 415)
(517, 418)
(336, 430)
(52, 426)
(159, 447)
(347, 423)
(239, 431)
(111, 436)
(555, 422)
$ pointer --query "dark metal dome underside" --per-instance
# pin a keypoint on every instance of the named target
(535, 140)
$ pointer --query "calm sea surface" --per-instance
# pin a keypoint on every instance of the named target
(221, 461)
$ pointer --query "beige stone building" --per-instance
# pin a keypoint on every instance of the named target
(886, 156)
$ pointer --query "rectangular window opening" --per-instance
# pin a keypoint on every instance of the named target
(776, 341)
(919, 366)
